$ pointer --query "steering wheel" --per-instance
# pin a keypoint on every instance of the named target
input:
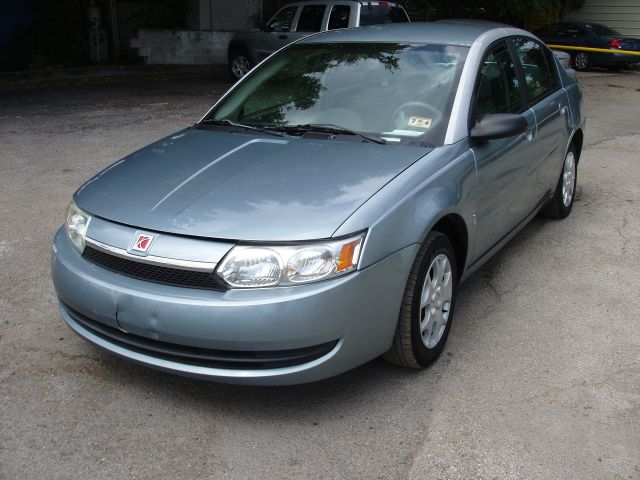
(414, 108)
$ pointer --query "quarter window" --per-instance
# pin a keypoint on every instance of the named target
(498, 88)
(339, 17)
(283, 20)
(540, 73)
(311, 18)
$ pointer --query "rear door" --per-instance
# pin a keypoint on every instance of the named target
(506, 167)
(549, 102)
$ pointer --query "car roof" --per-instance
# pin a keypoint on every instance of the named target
(569, 22)
(448, 32)
(361, 2)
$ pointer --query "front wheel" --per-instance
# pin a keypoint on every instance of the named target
(239, 64)
(561, 203)
(427, 306)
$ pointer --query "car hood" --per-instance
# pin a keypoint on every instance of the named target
(243, 187)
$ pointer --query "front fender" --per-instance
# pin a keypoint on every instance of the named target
(405, 210)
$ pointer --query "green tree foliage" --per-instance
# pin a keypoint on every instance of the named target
(515, 12)
(58, 36)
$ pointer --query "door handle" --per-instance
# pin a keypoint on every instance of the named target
(529, 134)
(283, 37)
(559, 107)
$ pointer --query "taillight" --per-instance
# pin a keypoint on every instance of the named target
(615, 43)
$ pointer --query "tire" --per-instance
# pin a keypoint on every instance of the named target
(239, 64)
(410, 348)
(561, 203)
(581, 61)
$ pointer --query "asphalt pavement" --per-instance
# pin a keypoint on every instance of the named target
(540, 378)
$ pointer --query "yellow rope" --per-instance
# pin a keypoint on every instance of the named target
(589, 49)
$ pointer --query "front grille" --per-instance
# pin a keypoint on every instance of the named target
(230, 359)
(153, 273)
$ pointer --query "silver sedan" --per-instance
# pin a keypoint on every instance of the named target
(325, 210)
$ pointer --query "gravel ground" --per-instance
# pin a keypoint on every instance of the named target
(540, 377)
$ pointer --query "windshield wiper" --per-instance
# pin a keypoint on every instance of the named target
(231, 123)
(330, 128)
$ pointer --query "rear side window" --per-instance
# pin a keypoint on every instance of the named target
(339, 17)
(498, 88)
(603, 31)
(311, 18)
(282, 21)
(381, 13)
(571, 31)
(540, 72)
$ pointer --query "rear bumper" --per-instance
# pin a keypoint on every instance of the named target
(613, 59)
(340, 323)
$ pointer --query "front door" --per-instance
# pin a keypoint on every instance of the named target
(277, 34)
(506, 167)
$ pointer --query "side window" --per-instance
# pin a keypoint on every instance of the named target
(540, 72)
(563, 30)
(339, 17)
(574, 31)
(498, 88)
(311, 18)
(282, 20)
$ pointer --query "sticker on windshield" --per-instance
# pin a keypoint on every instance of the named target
(420, 122)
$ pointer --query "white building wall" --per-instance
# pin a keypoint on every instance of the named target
(214, 22)
(621, 15)
(182, 47)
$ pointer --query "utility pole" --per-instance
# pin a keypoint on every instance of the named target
(115, 34)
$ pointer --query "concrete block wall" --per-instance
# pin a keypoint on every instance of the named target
(182, 47)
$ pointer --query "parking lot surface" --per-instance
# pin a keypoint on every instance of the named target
(540, 377)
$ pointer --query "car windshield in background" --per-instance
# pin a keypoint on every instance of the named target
(402, 93)
(380, 14)
(603, 31)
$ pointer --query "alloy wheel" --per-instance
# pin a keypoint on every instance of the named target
(581, 61)
(240, 66)
(568, 179)
(435, 302)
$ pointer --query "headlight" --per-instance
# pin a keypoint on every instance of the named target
(247, 266)
(76, 225)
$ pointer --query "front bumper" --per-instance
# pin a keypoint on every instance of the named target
(355, 316)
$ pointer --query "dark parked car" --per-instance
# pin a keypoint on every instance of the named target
(592, 35)
(296, 20)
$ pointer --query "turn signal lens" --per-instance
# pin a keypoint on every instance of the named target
(349, 255)
(248, 266)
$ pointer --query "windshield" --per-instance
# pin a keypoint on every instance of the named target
(402, 93)
(382, 13)
(603, 31)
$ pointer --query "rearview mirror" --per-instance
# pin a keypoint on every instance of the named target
(498, 125)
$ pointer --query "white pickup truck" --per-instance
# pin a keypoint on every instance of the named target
(299, 19)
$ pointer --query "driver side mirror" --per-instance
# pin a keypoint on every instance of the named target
(498, 125)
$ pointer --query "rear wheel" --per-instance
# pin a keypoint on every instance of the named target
(581, 61)
(562, 202)
(427, 306)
